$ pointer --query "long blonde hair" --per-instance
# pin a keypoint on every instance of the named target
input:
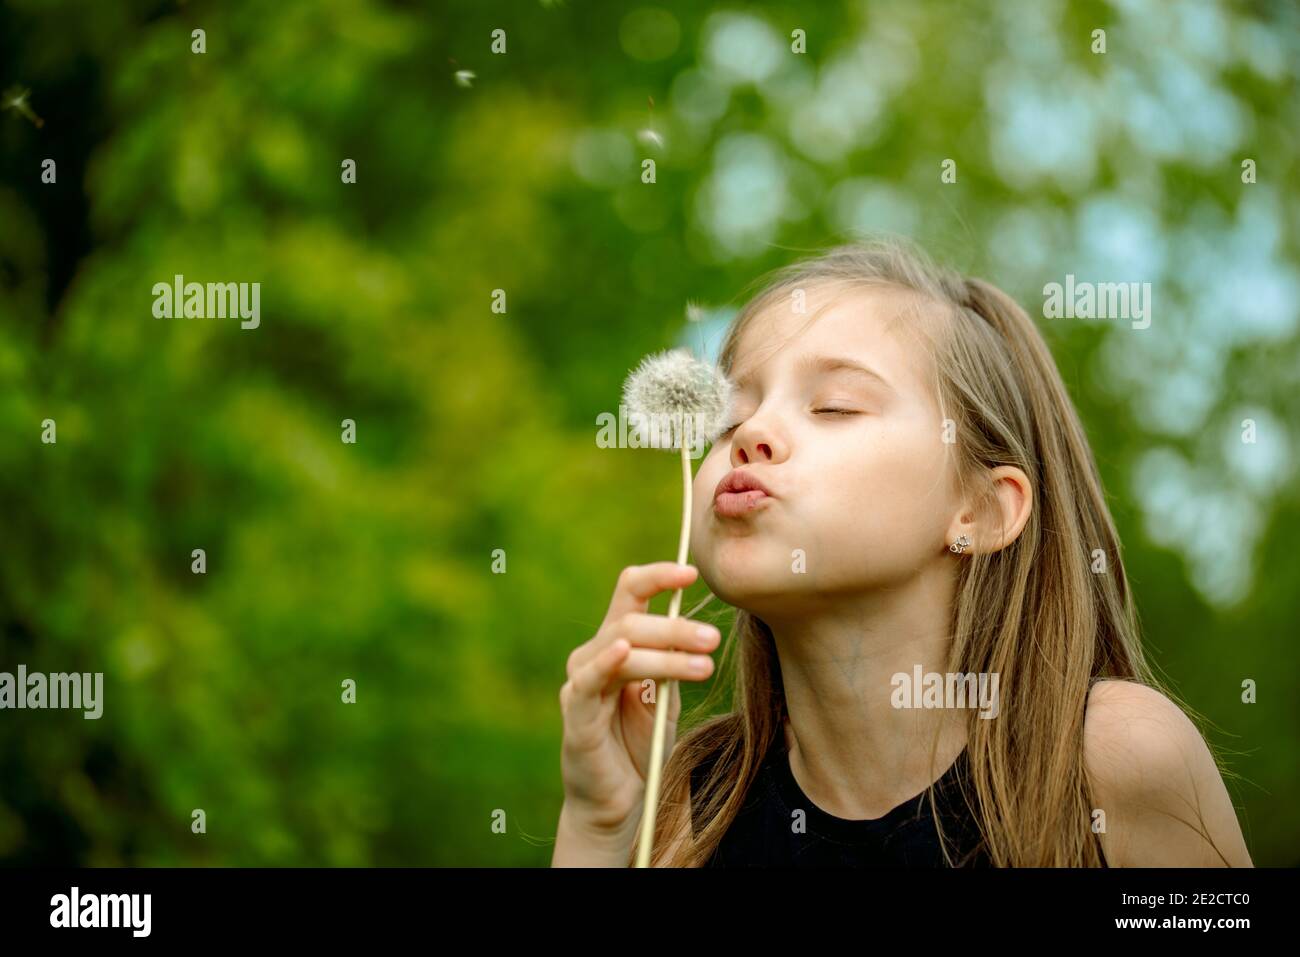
(1035, 613)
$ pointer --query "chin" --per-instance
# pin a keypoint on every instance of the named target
(743, 575)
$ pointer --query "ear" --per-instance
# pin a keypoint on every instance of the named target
(998, 526)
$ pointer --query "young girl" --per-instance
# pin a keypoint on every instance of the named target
(906, 508)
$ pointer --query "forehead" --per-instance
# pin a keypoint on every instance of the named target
(875, 326)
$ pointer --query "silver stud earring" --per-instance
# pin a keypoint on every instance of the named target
(960, 545)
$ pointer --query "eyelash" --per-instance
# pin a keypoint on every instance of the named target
(731, 429)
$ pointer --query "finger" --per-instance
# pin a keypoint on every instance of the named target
(589, 683)
(635, 691)
(643, 630)
(643, 663)
(637, 584)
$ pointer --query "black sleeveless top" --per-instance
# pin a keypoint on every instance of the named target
(767, 832)
(764, 832)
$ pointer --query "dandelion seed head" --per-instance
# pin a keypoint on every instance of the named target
(675, 399)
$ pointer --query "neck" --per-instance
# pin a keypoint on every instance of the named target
(854, 754)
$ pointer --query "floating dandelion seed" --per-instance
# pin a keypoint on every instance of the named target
(15, 98)
(462, 77)
(694, 311)
(649, 136)
(673, 400)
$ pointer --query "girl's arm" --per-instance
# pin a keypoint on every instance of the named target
(1154, 777)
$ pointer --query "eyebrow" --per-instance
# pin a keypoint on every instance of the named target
(824, 365)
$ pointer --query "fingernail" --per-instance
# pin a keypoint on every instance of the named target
(700, 664)
(707, 631)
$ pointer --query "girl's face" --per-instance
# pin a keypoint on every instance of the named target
(839, 422)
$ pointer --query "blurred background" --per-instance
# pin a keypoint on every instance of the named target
(476, 429)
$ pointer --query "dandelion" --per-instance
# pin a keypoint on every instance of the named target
(674, 401)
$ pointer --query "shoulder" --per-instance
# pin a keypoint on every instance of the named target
(1127, 719)
(1153, 776)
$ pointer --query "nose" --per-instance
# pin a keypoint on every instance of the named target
(753, 441)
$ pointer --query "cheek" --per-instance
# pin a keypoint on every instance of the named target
(708, 474)
(734, 558)
(707, 477)
(889, 499)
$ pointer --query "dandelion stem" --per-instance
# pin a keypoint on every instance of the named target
(668, 686)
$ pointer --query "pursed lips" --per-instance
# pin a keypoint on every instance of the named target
(738, 494)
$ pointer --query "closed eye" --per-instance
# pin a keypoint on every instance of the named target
(731, 428)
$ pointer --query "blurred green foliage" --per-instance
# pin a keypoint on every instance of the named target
(475, 429)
